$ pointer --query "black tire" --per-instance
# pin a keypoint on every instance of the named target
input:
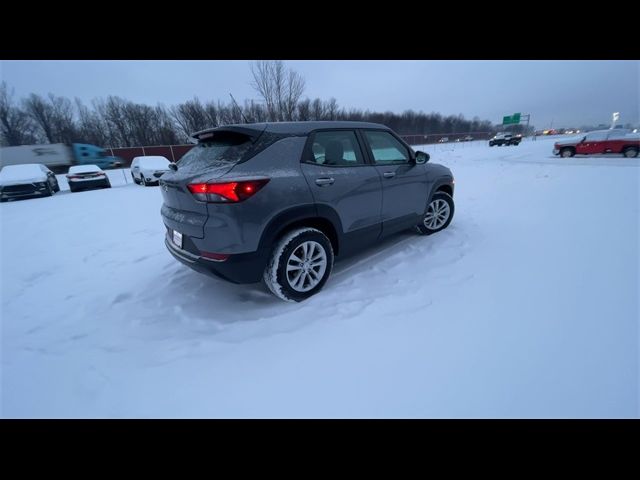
(134, 179)
(630, 152)
(422, 227)
(491, 144)
(275, 274)
(567, 152)
(50, 190)
(143, 181)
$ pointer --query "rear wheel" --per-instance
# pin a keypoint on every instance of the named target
(567, 152)
(438, 215)
(630, 152)
(300, 264)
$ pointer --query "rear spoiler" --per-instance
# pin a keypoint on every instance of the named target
(210, 133)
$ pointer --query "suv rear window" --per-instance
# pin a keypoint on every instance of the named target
(223, 147)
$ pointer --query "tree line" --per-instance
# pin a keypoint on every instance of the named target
(116, 122)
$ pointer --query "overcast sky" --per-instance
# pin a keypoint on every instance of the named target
(567, 93)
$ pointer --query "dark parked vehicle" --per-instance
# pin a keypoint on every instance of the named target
(87, 177)
(27, 180)
(277, 201)
(505, 139)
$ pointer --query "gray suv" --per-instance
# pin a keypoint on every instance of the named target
(278, 201)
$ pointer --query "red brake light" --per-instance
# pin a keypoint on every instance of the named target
(226, 192)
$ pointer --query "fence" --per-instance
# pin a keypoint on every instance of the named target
(176, 152)
(172, 152)
(423, 139)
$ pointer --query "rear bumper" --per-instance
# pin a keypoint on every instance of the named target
(241, 268)
(88, 184)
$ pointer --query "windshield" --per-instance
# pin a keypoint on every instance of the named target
(226, 147)
(154, 162)
(21, 172)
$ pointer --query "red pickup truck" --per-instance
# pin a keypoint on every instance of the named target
(600, 142)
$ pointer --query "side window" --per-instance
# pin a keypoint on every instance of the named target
(386, 148)
(619, 135)
(339, 148)
(596, 137)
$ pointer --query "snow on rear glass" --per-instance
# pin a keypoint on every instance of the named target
(84, 169)
(225, 147)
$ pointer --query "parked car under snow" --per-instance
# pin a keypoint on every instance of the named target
(27, 180)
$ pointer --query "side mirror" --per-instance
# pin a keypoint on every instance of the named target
(173, 166)
(422, 157)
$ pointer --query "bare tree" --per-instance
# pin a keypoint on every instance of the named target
(91, 128)
(280, 88)
(63, 121)
(317, 110)
(42, 115)
(332, 109)
(304, 110)
(190, 117)
(292, 94)
(263, 82)
(16, 127)
(254, 112)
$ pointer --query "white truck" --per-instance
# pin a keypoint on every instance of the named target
(57, 156)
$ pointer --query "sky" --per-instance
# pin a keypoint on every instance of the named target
(555, 93)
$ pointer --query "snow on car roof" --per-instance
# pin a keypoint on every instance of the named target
(25, 171)
(84, 169)
(154, 161)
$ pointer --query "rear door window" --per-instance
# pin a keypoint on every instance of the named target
(335, 148)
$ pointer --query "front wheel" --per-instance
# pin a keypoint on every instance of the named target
(567, 152)
(438, 215)
(630, 152)
(300, 264)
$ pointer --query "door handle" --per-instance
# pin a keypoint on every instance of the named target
(389, 174)
(324, 181)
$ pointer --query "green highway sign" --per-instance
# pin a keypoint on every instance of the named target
(511, 119)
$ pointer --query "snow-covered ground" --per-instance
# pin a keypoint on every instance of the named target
(527, 306)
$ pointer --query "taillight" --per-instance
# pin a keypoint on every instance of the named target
(228, 192)
(217, 257)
